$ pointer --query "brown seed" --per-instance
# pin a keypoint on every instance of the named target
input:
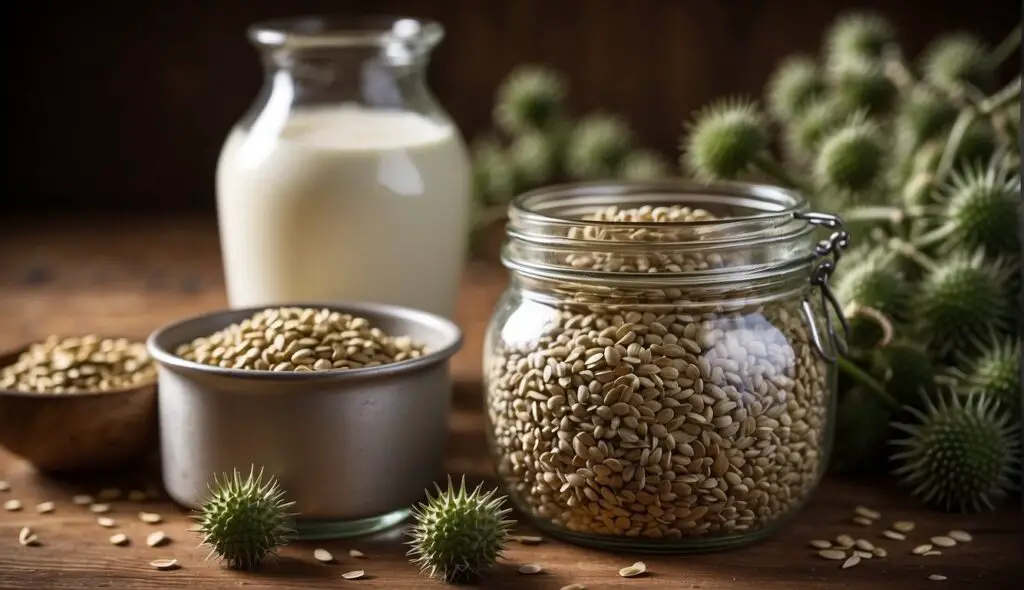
(864, 554)
(24, 535)
(120, 539)
(323, 556)
(353, 575)
(164, 564)
(12, 505)
(845, 540)
(44, 507)
(4, 486)
(833, 554)
(864, 545)
(356, 553)
(894, 535)
(921, 549)
(156, 539)
(960, 536)
(942, 541)
(530, 568)
(867, 512)
(150, 517)
(820, 544)
(880, 552)
(634, 570)
(851, 561)
(903, 526)
(106, 522)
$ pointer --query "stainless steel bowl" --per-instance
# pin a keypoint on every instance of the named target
(353, 448)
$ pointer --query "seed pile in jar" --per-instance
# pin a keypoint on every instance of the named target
(300, 339)
(646, 413)
(72, 365)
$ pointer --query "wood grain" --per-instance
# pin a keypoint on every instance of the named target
(131, 274)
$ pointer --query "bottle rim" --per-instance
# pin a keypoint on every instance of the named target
(398, 34)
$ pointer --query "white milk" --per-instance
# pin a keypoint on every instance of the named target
(344, 204)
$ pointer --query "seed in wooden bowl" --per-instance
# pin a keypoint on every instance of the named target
(106, 522)
(937, 577)
(71, 365)
(120, 539)
(300, 339)
(323, 556)
(851, 561)
(921, 549)
(12, 505)
(903, 526)
(960, 536)
(820, 544)
(4, 486)
(634, 570)
(530, 568)
(942, 541)
(353, 575)
(100, 508)
(150, 517)
(356, 553)
(863, 521)
(867, 512)
(880, 552)
(156, 539)
(82, 500)
(45, 507)
(164, 564)
(833, 554)
(896, 536)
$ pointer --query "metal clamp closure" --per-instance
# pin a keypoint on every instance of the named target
(827, 253)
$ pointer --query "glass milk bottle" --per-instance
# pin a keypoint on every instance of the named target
(346, 180)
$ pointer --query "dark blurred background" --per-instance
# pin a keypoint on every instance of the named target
(124, 105)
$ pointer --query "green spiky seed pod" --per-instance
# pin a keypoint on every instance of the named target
(531, 98)
(598, 144)
(981, 209)
(862, 431)
(906, 370)
(996, 371)
(961, 455)
(495, 178)
(957, 58)
(858, 35)
(803, 135)
(876, 282)
(852, 158)
(245, 520)
(644, 165)
(924, 114)
(964, 298)
(459, 534)
(861, 85)
(534, 156)
(725, 139)
(794, 86)
(978, 144)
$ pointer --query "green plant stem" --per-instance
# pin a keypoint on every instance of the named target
(1005, 95)
(933, 237)
(1006, 47)
(862, 376)
(911, 252)
(892, 214)
(773, 168)
(956, 135)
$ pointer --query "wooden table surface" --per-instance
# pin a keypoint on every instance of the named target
(130, 275)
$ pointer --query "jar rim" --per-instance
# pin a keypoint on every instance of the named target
(338, 31)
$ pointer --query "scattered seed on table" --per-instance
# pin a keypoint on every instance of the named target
(356, 553)
(100, 508)
(960, 536)
(864, 545)
(12, 505)
(119, 539)
(880, 552)
(821, 544)
(4, 486)
(633, 570)
(845, 540)
(851, 561)
(26, 537)
(903, 526)
(864, 554)
(164, 564)
(922, 549)
(353, 575)
(81, 500)
(108, 494)
(863, 521)
(530, 568)
(45, 507)
(323, 555)
(150, 517)
(936, 577)
(574, 587)
(106, 522)
(867, 512)
(942, 541)
(896, 536)
(833, 554)
(527, 539)
(156, 539)
(136, 496)
(931, 553)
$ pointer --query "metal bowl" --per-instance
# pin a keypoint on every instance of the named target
(78, 432)
(354, 448)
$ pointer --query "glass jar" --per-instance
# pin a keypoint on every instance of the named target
(659, 373)
(346, 180)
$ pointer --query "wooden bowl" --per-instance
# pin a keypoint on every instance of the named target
(78, 432)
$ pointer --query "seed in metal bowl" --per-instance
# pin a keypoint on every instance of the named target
(894, 535)
(150, 517)
(833, 554)
(164, 564)
(12, 505)
(942, 541)
(71, 365)
(82, 500)
(156, 539)
(960, 536)
(106, 522)
(353, 575)
(100, 508)
(633, 570)
(530, 568)
(323, 555)
(903, 526)
(45, 507)
(119, 539)
(300, 339)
